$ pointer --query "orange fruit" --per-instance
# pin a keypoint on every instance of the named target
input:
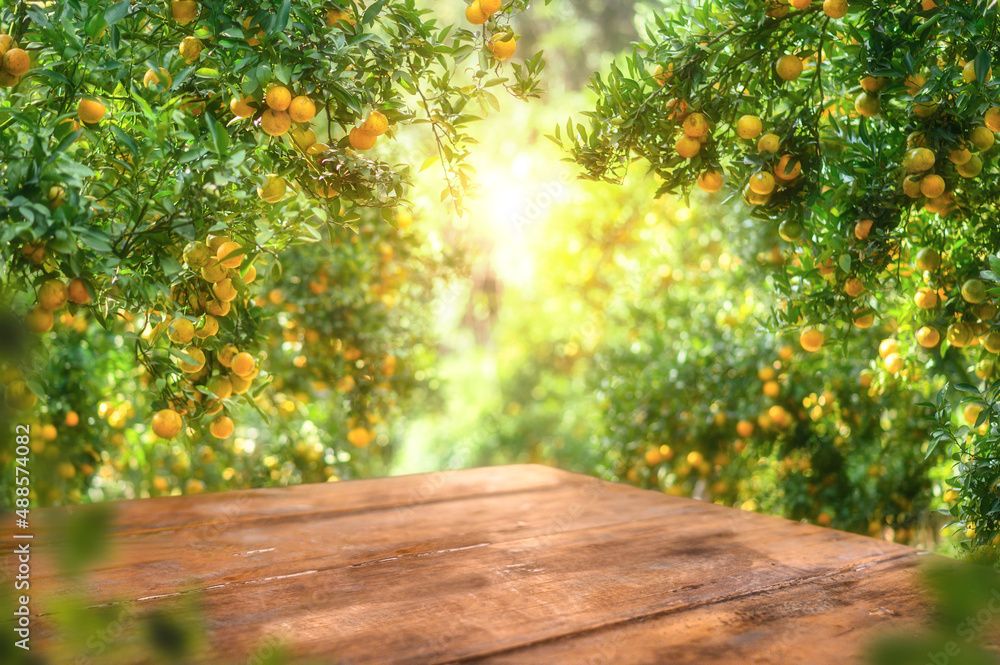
(894, 363)
(974, 291)
(243, 364)
(926, 298)
(835, 8)
(710, 181)
(868, 105)
(77, 292)
(278, 98)
(917, 160)
(213, 271)
(362, 140)
(992, 119)
(252, 40)
(789, 67)
(502, 49)
(788, 168)
(928, 337)
(863, 228)
(301, 109)
(971, 168)
(90, 111)
(152, 78)
(241, 107)
(275, 123)
(475, 15)
(53, 294)
(969, 72)
(217, 307)
(687, 147)
(991, 341)
(335, 16)
(220, 386)
(303, 138)
(762, 183)
(376, 124)
(887, 346)
(768, 143)
(811, 339)
(854, 287)
(6, 43)
(928, 258)
(696, 125)
(39, 320)
(224, 290)
(873, 84)
(167, 423)
(207, 328)
(490, 7)
(72, 419)
(273, 190)
(932, 186)
(982, 138)
(863, 317)
(230, 255)
(181, 331)
(240, 385)
(16, 62)
(250, 274)
(183, 11)
(197, 356)
(749, 127)
(226, 354)
(360, 436)
(190, 48)
(222, 427)
(960, 334)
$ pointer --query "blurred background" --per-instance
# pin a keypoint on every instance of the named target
(560, 321)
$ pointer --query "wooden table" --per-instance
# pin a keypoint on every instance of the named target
(518, 564)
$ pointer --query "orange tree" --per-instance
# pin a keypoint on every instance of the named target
(863, 134)
(159, 158)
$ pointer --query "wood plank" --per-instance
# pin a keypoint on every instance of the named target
(832, 619)
(459, 604)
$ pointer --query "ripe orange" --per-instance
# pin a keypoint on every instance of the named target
(928, 337)
(982, 138)
(220, 386)
(789, 67)
(360, 436)
(932, 186)
(183, 11)
(335, 16)
(90, 111)
(926, 298)
(222, 427)
(696, 125)
(217, 307)
(475, 15)
(873, 84)
(278, 98)
(894, 363)
(854, 287)
(992, 119)
(502, 49)
(181, 331)
(230, 255)
(167, 423)
(196, 355)
(788, 168)
(275, 123)
(710, 181)
(887, 346)
(273, 190)
(917, 160)
(863, 317)
(241, 107)
(240, 385)
(768, 143)
(969, 72)
(6, 43)
(362, 140)
(303, 138)
(197, 255)
(801, 4)
(490, 7)
(687, 147)
(928, 258)
(243, 364)
(53, 294)
(835, 8)
(772, 389)
(868, 105)
(226, 354)
(251, 40)
(376, 124)
(812, 339)
(959, 156)
(190, 48)
(153, 78)
(224, 290)
(207, 328)
(762, 183)
(749, 127)
(39, 320)
(16, 62)
(863, 228)
(250, 274)
(745, 429)
(213, 271)
(974, 291)
(77, 292)
(301, 109)
(72, 419)
(971, 168)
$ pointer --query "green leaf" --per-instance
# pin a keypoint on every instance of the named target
(372, 12)
(218, 134)
(116, 12)
(982, 66)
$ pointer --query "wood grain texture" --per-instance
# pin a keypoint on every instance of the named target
(519, 564)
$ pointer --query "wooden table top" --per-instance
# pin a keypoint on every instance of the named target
(503, 565)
